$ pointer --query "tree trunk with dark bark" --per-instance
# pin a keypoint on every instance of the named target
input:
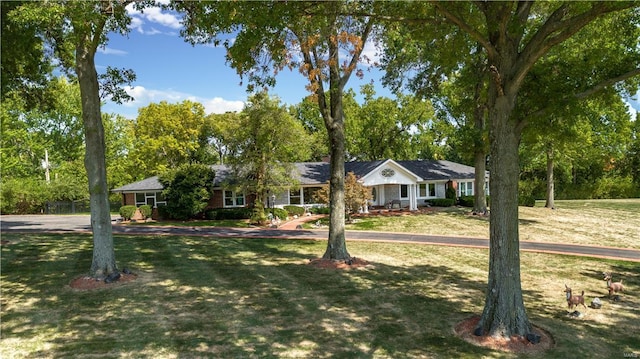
(504, 313)
(550, 181)
(104, 262)
(336, 246)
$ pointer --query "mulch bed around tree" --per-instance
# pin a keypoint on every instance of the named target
(89, 283)
(515, 344)
(338, 264)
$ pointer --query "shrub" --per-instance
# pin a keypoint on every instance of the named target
(467, 201)
(228, 213)
(278, 212)
(145, 211)
(294, 210)
(126, 212)
(23, 196)
(450, 193)
(187, 190)
(527, 201)
(441, 202)
(320, 210)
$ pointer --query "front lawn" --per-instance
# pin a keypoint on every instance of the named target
(613, 223)
(238, 298)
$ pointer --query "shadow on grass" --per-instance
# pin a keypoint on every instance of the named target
(208, 297)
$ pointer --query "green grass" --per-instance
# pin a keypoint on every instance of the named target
(235, 223)
(237, 298)
(614, 223)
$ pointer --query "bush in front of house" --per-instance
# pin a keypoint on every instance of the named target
(320, 210)
(467, 201)
(145, 211)
(295, 210)
(277, 212)
(228, 213)
(126, 212)
(441, 202)
(187, 190)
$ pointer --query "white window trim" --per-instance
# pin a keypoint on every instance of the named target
(408, 191)
(468, 184)
(426, 184)
(300, 195)
(234, 198)
(148, 195)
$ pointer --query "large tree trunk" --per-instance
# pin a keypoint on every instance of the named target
(337, 246)
(479, 160)
(104, 262)
(480, 200)
(550, 181)
(504, 313)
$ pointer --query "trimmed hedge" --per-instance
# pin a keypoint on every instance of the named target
(229, 213)
(441, 202)
(278, 212)
(320, 210)
(467, 201)
(145, 211)
(126, 212)
(294, 210)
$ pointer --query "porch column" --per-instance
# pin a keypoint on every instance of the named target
(413, 201)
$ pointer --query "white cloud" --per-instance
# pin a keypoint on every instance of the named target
(143, 97)
(140, 19)
(111, 51)
(220, 105)
(370, 54)
(156, 15)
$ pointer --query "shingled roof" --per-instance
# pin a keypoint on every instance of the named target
(317, 173)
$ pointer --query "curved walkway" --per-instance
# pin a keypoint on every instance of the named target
(62, 224)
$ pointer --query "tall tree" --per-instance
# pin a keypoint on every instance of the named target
(384, 128)
(515, 36)
(321, 39)
(454, 80)
(220, 130)
(561, 113)
(167, 135)
(267, 141)
(26, 69)
(75, 30)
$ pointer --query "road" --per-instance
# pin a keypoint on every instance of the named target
(82, 224)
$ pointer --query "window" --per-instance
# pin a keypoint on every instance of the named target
(465, 189)
(427, 190)
(308, 194)
(151, 198)
(294, 196)
(233, 199)
(404, 191)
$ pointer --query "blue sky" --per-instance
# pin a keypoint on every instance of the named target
(169, 69)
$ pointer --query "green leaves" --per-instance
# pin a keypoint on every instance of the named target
(187, 189)
(266, 141)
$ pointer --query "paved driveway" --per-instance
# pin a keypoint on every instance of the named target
(47, 222)
(82, 223)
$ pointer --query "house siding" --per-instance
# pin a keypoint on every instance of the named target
(128, 199)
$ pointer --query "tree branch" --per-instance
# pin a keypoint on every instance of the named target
(476, 35)
(607, 83)
(544, 39)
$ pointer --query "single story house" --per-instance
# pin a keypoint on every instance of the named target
(398, 184)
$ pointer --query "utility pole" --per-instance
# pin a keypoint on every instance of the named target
(45, 165)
